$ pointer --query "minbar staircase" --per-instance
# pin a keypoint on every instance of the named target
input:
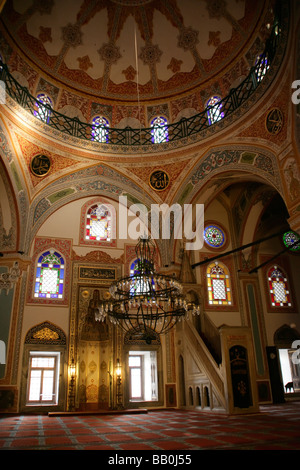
(209, 348)
(218, 363)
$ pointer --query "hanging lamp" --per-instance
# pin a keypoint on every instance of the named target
(147, 301)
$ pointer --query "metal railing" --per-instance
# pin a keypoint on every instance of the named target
(128, 136)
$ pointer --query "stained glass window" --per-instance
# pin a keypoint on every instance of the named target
(159, 130)
(278, 288)
(214, 236)
(43, 107)
(214, 110)
(218, 284)
(98, 223)
(100, 129)
(292, 240)
(140, 284)
(262, 67)
(50, 273)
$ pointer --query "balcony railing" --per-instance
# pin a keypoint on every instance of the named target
(176, 131)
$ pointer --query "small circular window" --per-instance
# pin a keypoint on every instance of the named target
(214, 236)
(292, 240)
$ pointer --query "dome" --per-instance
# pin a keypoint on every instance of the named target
(122, 51)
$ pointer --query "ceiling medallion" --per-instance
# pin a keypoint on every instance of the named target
(72, 35)
(274, 121)
(40, 165)
(159, 180)
(109, 53)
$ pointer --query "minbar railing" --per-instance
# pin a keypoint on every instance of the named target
(128, 136)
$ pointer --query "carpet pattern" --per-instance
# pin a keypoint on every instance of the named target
(273, 428)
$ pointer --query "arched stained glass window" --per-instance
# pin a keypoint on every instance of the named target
(159, 130)
(50, 272)
(98, 223)
(42, 109)
(218, 284)
(214, 236)
(278, 288)
(262, 66)
(292, 240)
(139, 285)
(214, 110)
(100, 129)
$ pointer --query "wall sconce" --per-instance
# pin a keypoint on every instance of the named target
(72, 371)
(118, 368)
(119, 385)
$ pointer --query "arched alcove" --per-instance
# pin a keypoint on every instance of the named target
(44, 369)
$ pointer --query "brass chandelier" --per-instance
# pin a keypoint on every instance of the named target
(146, 301)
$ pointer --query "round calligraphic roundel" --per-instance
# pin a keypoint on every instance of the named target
(159, 180)
(40, 165)
(274, 121)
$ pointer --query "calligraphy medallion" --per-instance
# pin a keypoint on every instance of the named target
(274, 121)
(40, 165)
(159, 180)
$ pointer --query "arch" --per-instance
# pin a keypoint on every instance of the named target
(191, 397)
(9, 213)
(206, 398)
(285, 335)
(19, 197)
(99, 181)
(198, 397)
(222, 167)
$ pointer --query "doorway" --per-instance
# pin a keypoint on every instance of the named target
(290, 371)
(286, 339)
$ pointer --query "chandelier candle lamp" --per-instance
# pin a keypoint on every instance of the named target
(146, 301)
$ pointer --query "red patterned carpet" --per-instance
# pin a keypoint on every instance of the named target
(274, 428)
